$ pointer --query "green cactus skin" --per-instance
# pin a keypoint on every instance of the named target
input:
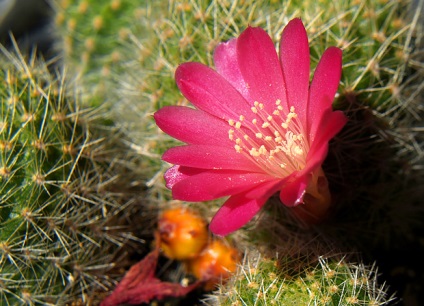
(380, 92)
(378, 82)
(328, 281)
(94, 34)
(61, 220)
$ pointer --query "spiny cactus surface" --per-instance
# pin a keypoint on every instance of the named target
(94, 35)
(372, 164)
(263, 281)
(58, 212)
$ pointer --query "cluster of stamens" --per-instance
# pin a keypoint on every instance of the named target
(274, 141)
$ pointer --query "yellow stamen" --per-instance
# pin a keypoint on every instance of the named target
(279, 146)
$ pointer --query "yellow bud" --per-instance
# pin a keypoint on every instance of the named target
(215, 264)
(182, 233)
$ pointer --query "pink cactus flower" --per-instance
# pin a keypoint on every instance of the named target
(257, 127)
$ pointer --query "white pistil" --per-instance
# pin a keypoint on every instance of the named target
(278, 145)
(298, 150)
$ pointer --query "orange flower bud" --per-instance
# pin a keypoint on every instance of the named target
(216, 263)
(182, 233)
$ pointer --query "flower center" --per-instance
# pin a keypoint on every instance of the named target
(275, 142)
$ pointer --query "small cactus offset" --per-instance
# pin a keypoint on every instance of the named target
(58, 209)
(329, 281)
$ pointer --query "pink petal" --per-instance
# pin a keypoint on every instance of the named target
(293, 192)
(209, 157)
(178, 173)
(192, 126)
(294, 56)
(265, 189)
(331, 123)
(324, 86)
(210, 92)
(226, 64)
(235, 212)
(213, 184)
(260, 68)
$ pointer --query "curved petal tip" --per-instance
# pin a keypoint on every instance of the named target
(292, 194)
(235, 213)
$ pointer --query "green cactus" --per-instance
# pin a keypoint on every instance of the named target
(94, 36)
(132, 51)
(61, 221)
(376, 38)
(327, 281)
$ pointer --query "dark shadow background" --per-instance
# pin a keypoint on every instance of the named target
(30, 22)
